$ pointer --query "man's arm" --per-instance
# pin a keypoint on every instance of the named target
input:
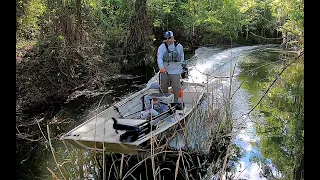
(160, 56)
(182, 54)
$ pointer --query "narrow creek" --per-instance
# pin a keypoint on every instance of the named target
(216, 66)
(210, 64)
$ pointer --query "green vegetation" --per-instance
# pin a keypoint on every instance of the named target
(84, 37)
(64, 46)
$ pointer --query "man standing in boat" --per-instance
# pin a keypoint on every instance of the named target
(170, 58)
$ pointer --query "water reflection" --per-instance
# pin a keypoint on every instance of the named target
(222, 65)
(245, 137)
(252, 165)
(277, 121)
(211, 65)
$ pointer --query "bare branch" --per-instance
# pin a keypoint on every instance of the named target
(277, 77)
(265, 37)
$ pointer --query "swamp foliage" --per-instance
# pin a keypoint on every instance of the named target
(68, 45)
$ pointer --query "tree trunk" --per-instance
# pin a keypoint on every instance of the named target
(78, 29)
(283, 32)
(247, 33)
(284, 40)
(139, 40)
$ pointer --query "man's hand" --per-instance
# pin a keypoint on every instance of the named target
(162, 70)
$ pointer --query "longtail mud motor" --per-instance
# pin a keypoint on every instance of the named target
(185, 71)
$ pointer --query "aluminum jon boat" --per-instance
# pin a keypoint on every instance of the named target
(125, 126)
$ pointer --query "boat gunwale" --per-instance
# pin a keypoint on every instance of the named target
(129, 98)
(132, 144)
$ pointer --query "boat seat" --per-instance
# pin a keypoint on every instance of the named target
(130, 122)
(158, 95)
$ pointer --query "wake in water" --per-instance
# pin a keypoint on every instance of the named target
(218, 67)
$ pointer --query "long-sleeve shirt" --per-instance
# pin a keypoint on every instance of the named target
(171, 67)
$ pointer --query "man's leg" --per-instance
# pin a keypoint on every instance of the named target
(175, 83)
(164, 80)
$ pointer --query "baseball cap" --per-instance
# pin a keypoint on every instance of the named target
(168, 34)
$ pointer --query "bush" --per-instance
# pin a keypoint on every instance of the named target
(51, 71)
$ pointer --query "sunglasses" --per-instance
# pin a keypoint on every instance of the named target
(169, 38)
